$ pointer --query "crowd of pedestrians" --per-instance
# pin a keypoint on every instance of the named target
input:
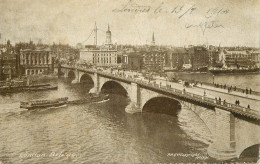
(231, 88)
(237, 102)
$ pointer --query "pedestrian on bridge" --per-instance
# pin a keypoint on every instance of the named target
(248, 106)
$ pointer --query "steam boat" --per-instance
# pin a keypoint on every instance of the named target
(62, 101)
(44, 103)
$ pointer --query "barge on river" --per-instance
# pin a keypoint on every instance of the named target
(44, 103)
(23, 88)
(63, 101)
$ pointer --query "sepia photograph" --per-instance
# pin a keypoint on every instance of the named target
(129, 81)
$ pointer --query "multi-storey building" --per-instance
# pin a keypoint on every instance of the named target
(132, 61)
(8, 65)
(236, 59)
(213, 57)
(199, 57)
(99, 57)
(106, 55)
(38, 61)
(154, 60)
(177, 57)
(8, 62)
(255, 58)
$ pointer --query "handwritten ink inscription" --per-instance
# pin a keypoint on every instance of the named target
(205, 25)
(210, 15)
(132, 7)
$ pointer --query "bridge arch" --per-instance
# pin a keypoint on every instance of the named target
(250, 150)
(112, 84)
(206, 116)
(85, 77)
(167, 103)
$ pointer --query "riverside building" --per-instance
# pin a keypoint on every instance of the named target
(35, 62)
(106, 55)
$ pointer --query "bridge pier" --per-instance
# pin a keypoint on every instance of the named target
(76, 80)
(134, 105)
(66, 73)
(224, 145)
(96, 89)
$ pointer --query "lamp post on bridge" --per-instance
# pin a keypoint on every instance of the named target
(166, 81)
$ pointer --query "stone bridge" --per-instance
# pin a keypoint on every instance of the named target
(233, 129)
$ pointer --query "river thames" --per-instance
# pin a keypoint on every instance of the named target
(103, 132)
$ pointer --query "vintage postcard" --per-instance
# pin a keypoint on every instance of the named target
(129, 81)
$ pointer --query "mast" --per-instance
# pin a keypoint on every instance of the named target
(95, 34)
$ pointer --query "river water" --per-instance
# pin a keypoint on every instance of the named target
(101, 132)
(240, 80)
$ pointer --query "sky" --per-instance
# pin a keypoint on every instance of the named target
(174, 22)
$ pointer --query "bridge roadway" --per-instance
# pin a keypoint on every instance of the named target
(190, 94)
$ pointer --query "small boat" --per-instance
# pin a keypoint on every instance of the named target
(44, 103)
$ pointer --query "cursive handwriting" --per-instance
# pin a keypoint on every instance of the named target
(180, 11)
(132, 7)
(185, 11)
(205, 25)
(211, 12)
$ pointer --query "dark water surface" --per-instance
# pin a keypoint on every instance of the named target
(100, 132)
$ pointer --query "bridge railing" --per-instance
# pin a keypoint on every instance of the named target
(209, 99)
(231, 107)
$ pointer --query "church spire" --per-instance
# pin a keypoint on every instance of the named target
(108, 28)
(153, 40)
(108, 36)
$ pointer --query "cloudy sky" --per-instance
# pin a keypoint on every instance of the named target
(179, 22)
